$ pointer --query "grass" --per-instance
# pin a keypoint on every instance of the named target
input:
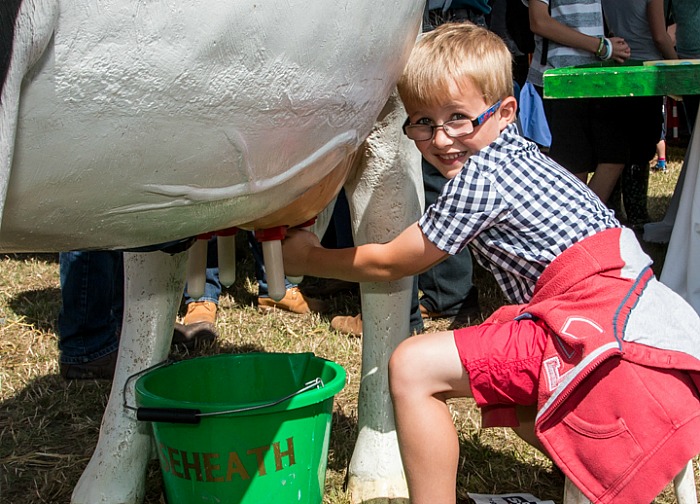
(48, 427)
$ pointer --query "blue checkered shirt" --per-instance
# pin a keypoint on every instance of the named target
(517, 210)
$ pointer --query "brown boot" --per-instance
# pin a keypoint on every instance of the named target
(349, 325)
(199, 324)
(293, 301)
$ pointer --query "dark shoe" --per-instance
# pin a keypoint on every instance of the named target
(347, 324)
(293, 301)
(469, 308)
(198, 326)
(327, 287)
(98, 369)
(193, 334)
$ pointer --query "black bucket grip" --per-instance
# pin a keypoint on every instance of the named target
(194, 416)
(169, 415)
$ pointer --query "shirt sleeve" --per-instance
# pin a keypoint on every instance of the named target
(468, 205)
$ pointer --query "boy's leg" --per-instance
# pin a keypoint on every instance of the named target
(526, 430)
(503, 363)
(424, 371)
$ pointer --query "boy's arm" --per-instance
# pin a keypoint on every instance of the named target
(408, 254)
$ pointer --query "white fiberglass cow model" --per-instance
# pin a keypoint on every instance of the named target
(127, 123)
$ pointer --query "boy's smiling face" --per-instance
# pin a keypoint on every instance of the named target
(449, 154)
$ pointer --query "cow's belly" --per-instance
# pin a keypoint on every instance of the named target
(105, 196)
(130, 136)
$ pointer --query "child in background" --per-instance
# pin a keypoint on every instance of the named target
(589, 317)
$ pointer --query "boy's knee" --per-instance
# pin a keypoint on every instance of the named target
(403, 364)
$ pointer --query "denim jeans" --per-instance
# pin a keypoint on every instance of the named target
(212, 286)
(92, 295)
(446, 285)
(339, 232)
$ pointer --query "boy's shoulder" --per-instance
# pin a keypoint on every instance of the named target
(510, 145)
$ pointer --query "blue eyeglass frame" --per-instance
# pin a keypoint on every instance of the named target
(481, 119)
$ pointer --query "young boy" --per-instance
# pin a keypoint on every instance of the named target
(606, 353)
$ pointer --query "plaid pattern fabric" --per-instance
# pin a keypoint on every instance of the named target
(517, 209)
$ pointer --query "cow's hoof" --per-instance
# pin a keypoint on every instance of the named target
(376, 474)
(116, 473)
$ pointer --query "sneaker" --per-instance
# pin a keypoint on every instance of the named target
(347, 324)
(98, 369)
(660, 165)
(198, 326)
(293, 301)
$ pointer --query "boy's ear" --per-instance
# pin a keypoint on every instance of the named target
(507, 111)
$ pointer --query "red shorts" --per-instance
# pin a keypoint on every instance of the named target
(503, 360)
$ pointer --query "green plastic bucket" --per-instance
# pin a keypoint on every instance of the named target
(272, 447)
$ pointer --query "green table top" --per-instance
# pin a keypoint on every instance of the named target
(609, 79)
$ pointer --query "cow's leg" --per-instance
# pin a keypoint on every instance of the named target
(154, 283)
(385, 197)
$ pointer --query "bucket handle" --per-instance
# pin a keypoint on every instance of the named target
(193, 415)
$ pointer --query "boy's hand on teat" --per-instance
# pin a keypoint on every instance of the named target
(295, 251)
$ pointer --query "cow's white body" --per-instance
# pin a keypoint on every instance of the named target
(128, 123)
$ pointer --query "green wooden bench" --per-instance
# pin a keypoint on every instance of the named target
(610, 80)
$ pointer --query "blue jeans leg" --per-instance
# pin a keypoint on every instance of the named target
(339, 232)
(415, 318)
(92, 295)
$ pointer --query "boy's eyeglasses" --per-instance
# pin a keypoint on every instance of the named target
(453, 129)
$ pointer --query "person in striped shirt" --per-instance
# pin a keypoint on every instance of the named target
(584, 130)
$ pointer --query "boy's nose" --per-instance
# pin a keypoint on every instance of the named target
(440, 137)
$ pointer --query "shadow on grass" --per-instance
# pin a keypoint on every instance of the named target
(487, 470)
(38, 308)
(48, 431)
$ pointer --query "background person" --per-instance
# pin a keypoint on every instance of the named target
(92, 306)
(584, 130)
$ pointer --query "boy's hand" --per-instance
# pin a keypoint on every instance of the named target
(295, 251)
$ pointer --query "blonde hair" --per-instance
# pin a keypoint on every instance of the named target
(452, 54)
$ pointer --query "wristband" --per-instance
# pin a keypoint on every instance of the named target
(607, 55)
(599, 51)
